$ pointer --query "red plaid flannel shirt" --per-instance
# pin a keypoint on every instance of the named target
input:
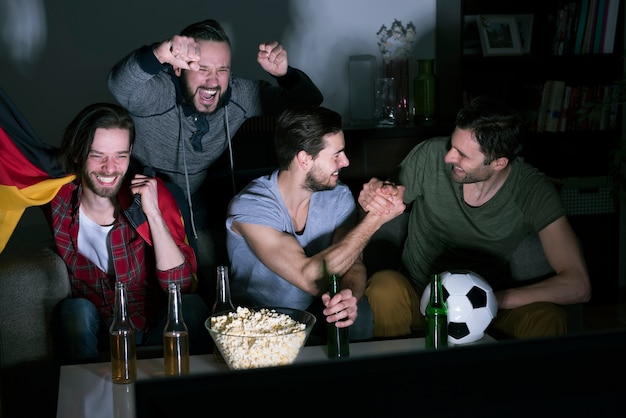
(133, 260)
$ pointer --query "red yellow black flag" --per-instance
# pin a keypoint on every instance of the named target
(30, 175)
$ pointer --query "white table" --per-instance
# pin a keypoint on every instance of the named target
(86, 390)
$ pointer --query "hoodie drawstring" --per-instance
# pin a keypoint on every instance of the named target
(231, 161)
(230, 150)
(182, 144)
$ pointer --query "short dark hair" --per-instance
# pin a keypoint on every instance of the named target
(303, 128)
(207, 30)
(495, 126)
(79, 134)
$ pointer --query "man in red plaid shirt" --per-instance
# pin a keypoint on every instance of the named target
(112, 227)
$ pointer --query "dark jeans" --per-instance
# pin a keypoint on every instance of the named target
(81, 334)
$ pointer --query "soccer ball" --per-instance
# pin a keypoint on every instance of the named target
(471, 305)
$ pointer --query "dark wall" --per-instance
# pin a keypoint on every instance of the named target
(55, 55)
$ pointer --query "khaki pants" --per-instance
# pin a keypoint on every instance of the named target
(395, 303)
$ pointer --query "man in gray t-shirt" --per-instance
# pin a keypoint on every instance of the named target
(283, 228)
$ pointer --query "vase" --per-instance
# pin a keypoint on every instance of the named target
(399, 70)
(385, 101)
(425, 89)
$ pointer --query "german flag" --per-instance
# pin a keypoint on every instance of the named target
(30, 175)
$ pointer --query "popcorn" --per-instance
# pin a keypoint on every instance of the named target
(251, 339)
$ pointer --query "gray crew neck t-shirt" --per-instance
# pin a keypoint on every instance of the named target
(261, 203)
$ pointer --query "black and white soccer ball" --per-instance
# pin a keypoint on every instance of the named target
(471, 305)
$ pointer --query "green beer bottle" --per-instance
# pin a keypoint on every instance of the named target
(436, 316)
(337, 340)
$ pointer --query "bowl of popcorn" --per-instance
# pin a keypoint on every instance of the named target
(250, 338)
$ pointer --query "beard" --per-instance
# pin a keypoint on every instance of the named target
(100, 190)
(313, 184)
(476, 176)
(189, 94)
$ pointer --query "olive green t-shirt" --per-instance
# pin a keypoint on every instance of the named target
(444, 233)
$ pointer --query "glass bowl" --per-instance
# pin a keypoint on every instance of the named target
(250, 338)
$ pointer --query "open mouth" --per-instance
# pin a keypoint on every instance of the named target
(106, 180)
(207, 95)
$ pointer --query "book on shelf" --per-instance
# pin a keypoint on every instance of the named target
(590, 27)
(614, 105)
(585, 107)
(606, 108)
(581, 24)
(570, 30)
(553, 112)
(561, 107)
(605, 20)
(599, 29)
(567, 96)
(574, 102)
(586, 27)
(544, 105)
(560, 33)
(595, 113)
(610, 26)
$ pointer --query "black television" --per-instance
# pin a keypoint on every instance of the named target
(576, 375)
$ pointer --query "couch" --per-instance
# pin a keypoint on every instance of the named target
(31, 283)
(33, 278)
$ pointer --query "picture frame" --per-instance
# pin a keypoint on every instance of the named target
(525, 26)
(499, 35)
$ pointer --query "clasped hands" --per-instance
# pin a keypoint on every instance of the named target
(382, 197)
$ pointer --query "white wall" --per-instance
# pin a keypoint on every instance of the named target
(54, 55)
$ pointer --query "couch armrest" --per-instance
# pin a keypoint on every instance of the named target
(30, 287)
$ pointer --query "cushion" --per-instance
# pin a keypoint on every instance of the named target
(30, 287)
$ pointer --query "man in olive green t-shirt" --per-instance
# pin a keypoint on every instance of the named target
(473, 202)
